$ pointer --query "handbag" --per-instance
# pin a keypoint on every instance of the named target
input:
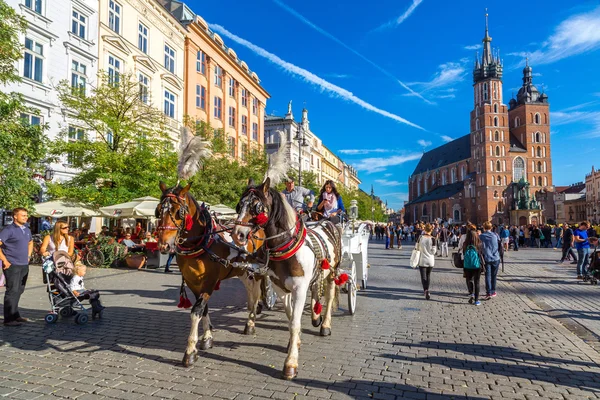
(415, 256)
(457, 260)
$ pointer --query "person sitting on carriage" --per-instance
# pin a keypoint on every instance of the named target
(330, 202)
(296, 195)
(59, 239)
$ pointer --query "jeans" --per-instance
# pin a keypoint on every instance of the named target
(532, 242)
(444, 249)
(584, 257)
(169, 260)
(472, 276)
(558, 243)
(16, 278)
(425, 277)
(537, 243)
(566, 251)
(491, 273)
(516, 244)
(387, 242)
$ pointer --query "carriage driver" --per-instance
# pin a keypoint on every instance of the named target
(295, 196)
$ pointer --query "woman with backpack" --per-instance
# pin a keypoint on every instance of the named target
(427, 246)
(471, 250)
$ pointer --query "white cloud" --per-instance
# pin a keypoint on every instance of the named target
(341, 76)
(448, 74)
(580, 33)
(387, 175)
(473, 47)
(338, 41)
(378, 164)
(569, 116)
(397, 21)
(423, 143)
(446, 138)
(362, 151)
(311, 78)
(385, 182)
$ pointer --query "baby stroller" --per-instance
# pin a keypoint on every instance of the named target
(62, 300)
(593, 273)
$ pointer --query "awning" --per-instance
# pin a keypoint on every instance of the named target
(142, 207)
(63, 208)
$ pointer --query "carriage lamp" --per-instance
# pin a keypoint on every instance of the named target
(353, 210)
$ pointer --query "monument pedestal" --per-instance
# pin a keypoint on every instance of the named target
(525, 217)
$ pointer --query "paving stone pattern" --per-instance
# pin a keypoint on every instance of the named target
(397, 346)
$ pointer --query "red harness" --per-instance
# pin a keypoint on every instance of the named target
(291, 247)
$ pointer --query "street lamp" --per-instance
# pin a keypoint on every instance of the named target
(372, 207)
(49, 174)
(301, 143)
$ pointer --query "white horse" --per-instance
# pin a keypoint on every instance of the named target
(298, 259)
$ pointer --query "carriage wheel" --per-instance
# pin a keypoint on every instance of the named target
(94, 258)
(351, 287)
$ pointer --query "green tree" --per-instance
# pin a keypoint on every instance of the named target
(123, 150)
(22, 145)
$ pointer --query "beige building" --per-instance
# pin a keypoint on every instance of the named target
(592, 195)
(563, 201)
(141, 37)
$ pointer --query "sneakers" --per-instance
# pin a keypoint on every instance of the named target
(494, 295)
(560, 262)
(168, 271)
(471, 299)
(487, 297)
(427, 296)
(477, 303)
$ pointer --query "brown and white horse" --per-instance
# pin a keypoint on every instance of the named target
(299, 259)
(205, 253)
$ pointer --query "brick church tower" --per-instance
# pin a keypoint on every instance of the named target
(490, 137)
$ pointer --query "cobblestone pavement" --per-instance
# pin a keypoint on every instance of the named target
(398, 345)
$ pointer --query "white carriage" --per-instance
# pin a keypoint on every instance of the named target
(355, 262)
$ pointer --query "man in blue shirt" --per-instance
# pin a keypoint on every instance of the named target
(16, 246)
(583, 248)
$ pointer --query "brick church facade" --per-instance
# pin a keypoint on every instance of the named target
(501, 165)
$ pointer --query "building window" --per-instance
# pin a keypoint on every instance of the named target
(110, 138)
(517, 121)
(114, 16)
(498, 180)
(78, 78)
(254, 131)
(497, 151)
(244, 124)
(114, 69)
(539, 181)
(539, 151)
(244, 98)
(78, 24)
(231, 87)
(218, 108)
(476, 124)
(201, 97)
(254, 106)
(33, 60)
(537, 119)
(169, 59)
(539, 167)
(537, 137)
(75, 135)
(232, 116)
(169, 107)
(495, 121)
(144, 88)
(498, 167)
(31, 119)
(218, 76)
(485, 91)
(143, 38)
(231, 145)
(35, 5)
(201, 62)
(495, 104)
(518, 169)
(497, 136)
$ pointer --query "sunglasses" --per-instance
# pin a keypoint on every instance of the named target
(64, 228)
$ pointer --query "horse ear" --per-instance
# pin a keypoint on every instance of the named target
(250, 182)
(162, 186)
(266, 185)
(185, 189)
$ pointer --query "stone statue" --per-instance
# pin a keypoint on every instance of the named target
(290, 107)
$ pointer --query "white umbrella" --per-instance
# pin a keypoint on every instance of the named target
(142, 207)
(63, 208)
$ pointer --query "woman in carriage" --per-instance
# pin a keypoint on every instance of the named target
(330, 202)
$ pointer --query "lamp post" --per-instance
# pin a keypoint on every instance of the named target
(372, 208)
(301, 143)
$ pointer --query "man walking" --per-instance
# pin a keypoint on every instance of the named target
(444, 238)
(567, 245)
(583, 248)
(514, 233)
(16, 245)
(558, 232)
(491, 256)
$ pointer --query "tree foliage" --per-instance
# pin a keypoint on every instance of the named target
(125, 150)
(22, 146)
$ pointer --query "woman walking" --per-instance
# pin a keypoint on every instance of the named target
(471, 251)
(428, 248)
(59, 240)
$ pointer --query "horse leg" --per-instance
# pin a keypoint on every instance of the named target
(316, 319)
(329, 297)
(191, 353)
(206, 342)
(290, 368)
(253, 288)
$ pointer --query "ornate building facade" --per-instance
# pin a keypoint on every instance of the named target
(499, 170)
(592, 195)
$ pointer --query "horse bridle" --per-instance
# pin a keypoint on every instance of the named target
(165, 206)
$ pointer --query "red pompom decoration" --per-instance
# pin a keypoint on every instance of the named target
(325, 264)
(342, 279)
(318, 308)
(181, 301)
(262, 219)
(218, 285)
(188, 222)
(187, 303)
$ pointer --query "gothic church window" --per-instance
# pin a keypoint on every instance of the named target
(539, 181)
(495, 194)
(498, 167)
(497, 136)
(485, 91)
(537, 119)
(477, 124)
(518, 169)
(478, 167)
(462, 173)
(539, 151)
(517, 121)
(539, 167)
(499, 181)
(497, 151)
(537, 137)
(495, 106)
(495, 121)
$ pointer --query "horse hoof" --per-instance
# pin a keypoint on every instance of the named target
(206, 344)
(189, 359)
(249, 330)
(290, 373)
(325, 331)
(259, 308)
(317, 322)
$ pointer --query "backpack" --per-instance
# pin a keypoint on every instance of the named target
(472, 260)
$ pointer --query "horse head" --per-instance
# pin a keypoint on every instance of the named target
(177, 214)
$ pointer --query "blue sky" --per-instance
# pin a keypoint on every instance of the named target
(387, 79)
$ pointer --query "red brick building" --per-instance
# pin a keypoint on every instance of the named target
(474, 177)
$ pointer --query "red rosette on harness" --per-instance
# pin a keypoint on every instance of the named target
(343, 278)
(261, 219)
(325, 264)
(318, 308)
(188, 222)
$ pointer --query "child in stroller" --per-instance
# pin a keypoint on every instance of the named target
(593, 273)
(63, 301)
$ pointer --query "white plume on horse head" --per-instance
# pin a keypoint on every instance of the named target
(192, 151)
(278, 167)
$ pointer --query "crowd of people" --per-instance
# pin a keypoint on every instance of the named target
(480, 249)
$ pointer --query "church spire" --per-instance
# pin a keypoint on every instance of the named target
(487, 44)
(490, 64)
